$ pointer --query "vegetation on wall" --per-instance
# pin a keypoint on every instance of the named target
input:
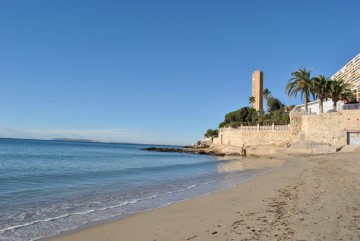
(319, 87)
(211, 133)
(278, 115)
(243, 116)
(300, 82)
(274, 104)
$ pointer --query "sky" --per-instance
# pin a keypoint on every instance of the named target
(157, 71)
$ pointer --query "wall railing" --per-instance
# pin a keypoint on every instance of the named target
(272, 127)
(355, 106)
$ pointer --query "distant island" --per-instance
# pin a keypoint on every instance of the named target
(110, 142)
(75, 140)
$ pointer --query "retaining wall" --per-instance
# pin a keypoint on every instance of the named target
(329, 128)
(326, 128)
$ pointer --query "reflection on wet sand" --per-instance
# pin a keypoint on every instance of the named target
(236, 164)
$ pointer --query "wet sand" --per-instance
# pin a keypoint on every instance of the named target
(307, 198)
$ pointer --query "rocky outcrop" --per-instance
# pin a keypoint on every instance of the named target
(180, 150)
(252, 151)
(189, 150)
(214, 150)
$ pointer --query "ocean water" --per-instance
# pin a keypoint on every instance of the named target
(48, 187)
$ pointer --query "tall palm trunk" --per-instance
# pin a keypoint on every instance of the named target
(321, 105)
(306, 100)
(334, 104)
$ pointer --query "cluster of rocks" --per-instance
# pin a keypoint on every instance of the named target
(254, 151)
(190, 150)
(214, 150)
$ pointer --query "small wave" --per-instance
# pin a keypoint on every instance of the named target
(33, 222)
(83, 213)
(75, 213)
(127, 203)
(181, 190)
(119, 205)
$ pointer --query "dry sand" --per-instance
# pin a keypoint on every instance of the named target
(308, 198)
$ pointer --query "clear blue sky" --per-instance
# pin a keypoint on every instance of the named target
(157, 71)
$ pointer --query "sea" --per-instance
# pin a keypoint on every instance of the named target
(52, 187)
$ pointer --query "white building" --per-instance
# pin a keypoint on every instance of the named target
(351, 74)
(314, 108)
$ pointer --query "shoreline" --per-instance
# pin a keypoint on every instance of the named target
(67, 235)
(91, 225)
(268, 207)
(226, 164)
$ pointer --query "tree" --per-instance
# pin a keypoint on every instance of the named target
(249, 116)
(278, 117)
(289, 108)
(338, 88)
(300, 82)
(321, 87)
(266, 93)
(251, 100)
(245, 115)
(274, 104)
(222, 124)
(211, 133)
(261, 119)
(349, 97)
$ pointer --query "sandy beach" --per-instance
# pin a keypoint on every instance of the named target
(310, 197)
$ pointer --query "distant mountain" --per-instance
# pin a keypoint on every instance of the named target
(72, 139)
(111, 142)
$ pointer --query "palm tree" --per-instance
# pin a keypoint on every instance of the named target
(266, 93)
(300, 82)
(251, 100)
(338, 88)
(261, 117)
(321, 87)
(348, 96)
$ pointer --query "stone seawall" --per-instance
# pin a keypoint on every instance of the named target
(236, 137)
(325, 129)
(329, 128)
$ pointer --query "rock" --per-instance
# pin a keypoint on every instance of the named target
(198, 151)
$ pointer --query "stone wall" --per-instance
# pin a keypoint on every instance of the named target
(324, 129)
(216, 141)
(236, 137)
(329, 128)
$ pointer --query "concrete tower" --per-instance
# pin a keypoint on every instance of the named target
(257, 89)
